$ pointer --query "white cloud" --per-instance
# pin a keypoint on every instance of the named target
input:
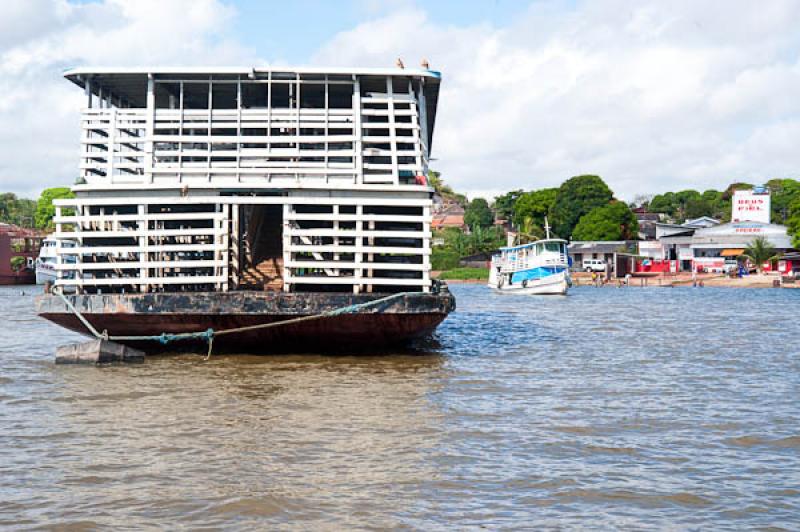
(39, 39)
(651, 95)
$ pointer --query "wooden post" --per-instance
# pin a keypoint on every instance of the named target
(358, 141)
(149, 129)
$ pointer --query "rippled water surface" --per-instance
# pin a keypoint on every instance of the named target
(608, 408)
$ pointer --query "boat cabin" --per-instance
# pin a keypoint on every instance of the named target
(293, 180)
(550, 252)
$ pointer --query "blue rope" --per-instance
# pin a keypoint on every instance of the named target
(166, 338)
(208, 334)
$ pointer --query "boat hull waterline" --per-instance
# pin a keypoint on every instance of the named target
(555, 284)
(394, 323)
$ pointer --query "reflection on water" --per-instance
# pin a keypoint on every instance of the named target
(610, 407)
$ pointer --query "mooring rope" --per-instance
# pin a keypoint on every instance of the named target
(209, 334)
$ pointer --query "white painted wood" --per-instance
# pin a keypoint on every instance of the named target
(248, 200)
(312, 157)
(139, 264)
(323, 279)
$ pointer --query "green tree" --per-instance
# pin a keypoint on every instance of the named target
(45, 210)
(737, 185)
(504, 205)
(576, 197)
(534, 205)
(529, 231)
(687, 204)
(614, 221)
(17, 211)
(456, 241)
(484, 240)
(697, 207)
(783, 193)
(760, 251)
(663, 203)
(478, 214)
(793, 222)
(443, 259)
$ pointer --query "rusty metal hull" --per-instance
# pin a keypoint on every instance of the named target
(18, 279)
(394, 323)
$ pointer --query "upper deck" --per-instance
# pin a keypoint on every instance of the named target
(254, 128)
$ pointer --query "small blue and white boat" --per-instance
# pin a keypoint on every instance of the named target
(541, 267)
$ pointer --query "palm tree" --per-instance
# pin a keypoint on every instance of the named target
(529, 231)
(483, 240)
(760, 251)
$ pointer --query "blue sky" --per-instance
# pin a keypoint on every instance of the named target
(651, 95)
(294, 31)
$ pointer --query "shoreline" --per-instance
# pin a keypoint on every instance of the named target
(670, 281)
(685, 280)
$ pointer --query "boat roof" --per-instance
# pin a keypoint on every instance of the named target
(523, 246)
(244, 70)
(130, 83)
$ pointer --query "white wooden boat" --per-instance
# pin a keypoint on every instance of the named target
(46, 261)
(541, 267)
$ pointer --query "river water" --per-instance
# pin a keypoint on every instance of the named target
(628, 408)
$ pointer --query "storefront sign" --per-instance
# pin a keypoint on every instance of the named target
(747, 228)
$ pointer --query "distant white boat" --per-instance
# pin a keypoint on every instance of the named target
(541, 267)
(46, 262)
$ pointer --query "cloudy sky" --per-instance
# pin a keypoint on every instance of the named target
(651, 95)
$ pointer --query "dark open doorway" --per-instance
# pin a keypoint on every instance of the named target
(261, 237)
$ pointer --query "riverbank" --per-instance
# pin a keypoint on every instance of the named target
(480, 276)
(685, 279)
(475, 275)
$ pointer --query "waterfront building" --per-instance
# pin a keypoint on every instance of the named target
(605, 250)
(647, 222)
(712, 246)
(18, 250)
(706, 245)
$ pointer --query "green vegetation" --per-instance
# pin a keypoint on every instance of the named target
(444, 259)
(45, 210)
(785, 194)
(575, 198)
(793, 221)
(534, 205)
(31, 214)
(504, 205)
(689, 204)
(466, 274)
(529, 231)
(614, 221)
(17, 211)
(461, 244)
(478, 214)
(760, 251)
(17, 263)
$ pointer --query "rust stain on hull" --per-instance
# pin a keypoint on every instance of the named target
(398, 322)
